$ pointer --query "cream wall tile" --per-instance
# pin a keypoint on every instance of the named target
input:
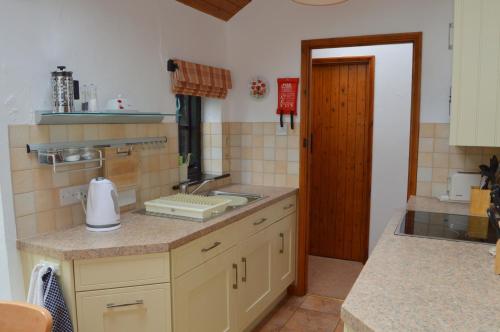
(425, 159)
(441, 145)
(19, 136)
(75, 133)
(258, 153)
(439, 189)
(268, 179)
(269, 166)
(257, 179)
(269, 141)
(281, 167)
(216, 128)
(42, 178)
(258, 128)
(457, 149)
(280, 180)
(235, 128)
(257, 166)
(440, 175)
(235, 140)
(246, 128)
(472, 162)
(26, 226)
(235, 165)
(269, 154)
(293, 154)
(426, 130)
(63, 218)
(426, 145)
(440, 160)
(281, 142)
(217, 153)
(293, 142)
(24, 204)
(45, 200)
(46, 222)
(257, 141)
(246, 165)
(424, 174)
(246, 177)
(39, 134)
(77, 214)
(19, 159)
(246, 153)
(293, 168)
(281, 154)
(441, 130)
(22, 181)
(457, 161)
(217, 141)
(292, 180)
(269, 128)
(424, 189)
(58, 133)
(90, 132)
(246, 141)
(235, 153)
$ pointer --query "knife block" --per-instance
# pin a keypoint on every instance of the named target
(479, 201)
(497, 259)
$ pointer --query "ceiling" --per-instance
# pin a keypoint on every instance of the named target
(222, 9)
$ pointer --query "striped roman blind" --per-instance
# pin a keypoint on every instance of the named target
(199, 80)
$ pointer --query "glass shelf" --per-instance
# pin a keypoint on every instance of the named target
(109, 117)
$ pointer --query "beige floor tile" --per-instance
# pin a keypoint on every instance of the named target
(322, 304)
(332, 277)
(304, 320)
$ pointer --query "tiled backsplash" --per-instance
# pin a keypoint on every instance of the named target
(261, 157)
(437, 160)
(36, 187)
(252, 152)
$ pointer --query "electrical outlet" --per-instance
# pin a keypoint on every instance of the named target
(73, 195)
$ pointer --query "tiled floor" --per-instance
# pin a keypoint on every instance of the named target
(330, 280)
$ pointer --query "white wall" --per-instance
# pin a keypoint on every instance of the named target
(5, 290)
(120, 45)
(391, 128)
(264, 39)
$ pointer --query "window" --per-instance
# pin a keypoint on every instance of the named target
(190, 133)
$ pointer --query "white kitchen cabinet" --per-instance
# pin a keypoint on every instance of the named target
(127, 309)
(205, 297)
(283, 252)
(256, 277)
(475, 109)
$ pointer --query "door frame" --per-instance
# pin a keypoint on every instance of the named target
(415, 38)
(370, 62)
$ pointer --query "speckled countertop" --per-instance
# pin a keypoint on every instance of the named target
(142, 234)
(418, 284)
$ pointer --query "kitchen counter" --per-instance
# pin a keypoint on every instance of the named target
(419, 284)
(141, 234)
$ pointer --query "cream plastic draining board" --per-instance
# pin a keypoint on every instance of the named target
(103, 273)
(127, 309)
(184, 205)
(475, 108)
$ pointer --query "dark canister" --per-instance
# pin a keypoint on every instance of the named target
(62, 90)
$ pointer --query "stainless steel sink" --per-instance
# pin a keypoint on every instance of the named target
(249, 199)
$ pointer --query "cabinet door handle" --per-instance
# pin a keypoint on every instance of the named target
(216, 244)
(235, 267)
(263, 220)
(288, 207)
(112, 305)
(244, 261)
(282, 236)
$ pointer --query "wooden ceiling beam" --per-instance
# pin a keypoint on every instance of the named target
(222, 9)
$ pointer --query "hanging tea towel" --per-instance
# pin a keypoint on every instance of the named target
(53, 301)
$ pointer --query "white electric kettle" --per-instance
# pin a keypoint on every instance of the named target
(103, 211)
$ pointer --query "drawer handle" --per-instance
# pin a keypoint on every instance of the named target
(244, 261)
(216, 244)
(282, 236)
(235, 285)
(263, 220)
(112, 305)
(288, 207)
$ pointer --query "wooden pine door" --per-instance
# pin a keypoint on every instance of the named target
(340, 166)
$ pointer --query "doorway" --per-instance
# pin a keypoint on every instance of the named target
(307, 146)
(341, 117)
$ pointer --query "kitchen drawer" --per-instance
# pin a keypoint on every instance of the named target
(267, 216)
(200, 250)
(140, 308)
(102, 273)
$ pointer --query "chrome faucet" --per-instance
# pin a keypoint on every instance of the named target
(184, 187)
